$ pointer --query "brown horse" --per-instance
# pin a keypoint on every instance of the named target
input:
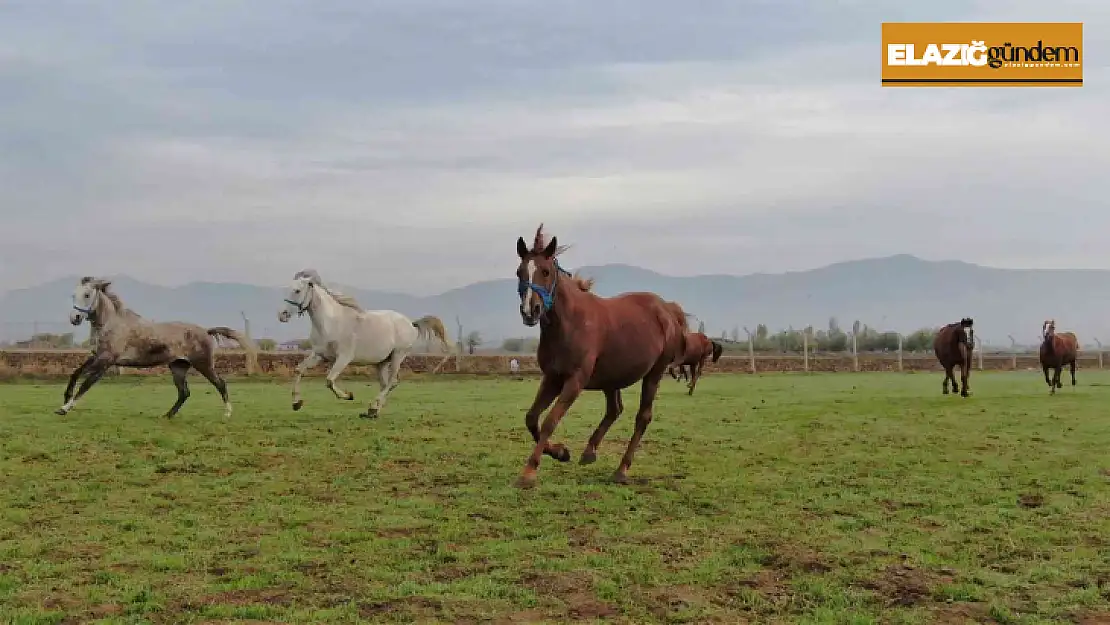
(1057, 350)
(953, 345)
(590, 343)
(699, 348)
(124, 339)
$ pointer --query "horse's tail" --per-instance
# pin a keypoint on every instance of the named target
(682, 322)
(242, 340)
(430, 326)
(717, 350)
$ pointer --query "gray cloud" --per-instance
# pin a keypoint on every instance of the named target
(214, 140)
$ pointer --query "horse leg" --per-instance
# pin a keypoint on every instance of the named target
(948, 375)
(674, 375)
(643, 419)
(965, 373)
(1056, 376)
(1047, 380)
(571, 389)
(613, 409)
(209, 373)
(388, 378)
(96, 371)
(337, 367)
(309, 362)
(548, 391)
(73, 377)
(180, 371)
(696, 370)
(1072, 364)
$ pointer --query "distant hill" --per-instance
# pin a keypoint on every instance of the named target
(900, 293)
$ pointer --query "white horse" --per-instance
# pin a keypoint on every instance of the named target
(344, 333)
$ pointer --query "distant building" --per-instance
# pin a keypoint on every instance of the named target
(289, 346)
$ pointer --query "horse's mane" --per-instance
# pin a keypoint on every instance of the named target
(539, 242)
(106, 290)
(340, 298)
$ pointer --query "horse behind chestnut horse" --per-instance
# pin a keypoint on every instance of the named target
(124, 339)
(1057, 350)
(699, 348)
(953, 345)
(590, 343)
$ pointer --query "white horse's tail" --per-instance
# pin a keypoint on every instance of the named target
(430, 326)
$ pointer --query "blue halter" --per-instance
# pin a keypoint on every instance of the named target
(546, 296)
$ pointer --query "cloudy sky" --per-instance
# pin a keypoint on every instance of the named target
(405, 144)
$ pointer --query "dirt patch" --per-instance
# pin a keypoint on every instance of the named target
(574, 590)
(409, 606)
(247, 596)
(311, 569)
(665, 601)
(958, 614)
(526, 616)
(397, 532)
(905, 586)
(1099, 618)
(455, 572)
(1031, 500)
(796, 559)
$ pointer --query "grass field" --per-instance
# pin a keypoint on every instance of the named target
(841, 498)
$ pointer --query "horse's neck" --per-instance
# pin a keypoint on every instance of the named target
(326, 313)
(105, 313)
(563, 316)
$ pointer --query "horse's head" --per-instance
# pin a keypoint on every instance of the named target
(717, 349)
(968, 326)
(537, 275)
(299, 295)
(86, 297)
(1048, 329)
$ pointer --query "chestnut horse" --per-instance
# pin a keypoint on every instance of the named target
(953, 345)
(699, 348)
(590, 343)
(1057, 350)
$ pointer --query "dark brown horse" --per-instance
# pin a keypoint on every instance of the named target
(1057, 350)
(699, 348)
(953, 346)
(590, 343)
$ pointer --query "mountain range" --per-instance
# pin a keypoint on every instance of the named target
(901, 293)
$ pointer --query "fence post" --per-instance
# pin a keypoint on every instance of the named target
(1099, 343)
(979, 343)
(855, 353)
(751, 349)
(247, 333)
(1013, 352)
(805, 350)
(899, 351)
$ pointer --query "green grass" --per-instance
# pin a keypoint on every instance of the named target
(841, 498)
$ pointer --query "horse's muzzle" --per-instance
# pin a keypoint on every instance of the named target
(283, 316)
(531, 317)
(75, 318)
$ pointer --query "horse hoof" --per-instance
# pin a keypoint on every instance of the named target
(588, 457)
(369, 414)
(525, 482)
(60, 412)
(350, 396)
(563, 455)
(620, 477)
(297, 405)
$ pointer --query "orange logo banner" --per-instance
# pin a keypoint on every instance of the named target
(970, 54)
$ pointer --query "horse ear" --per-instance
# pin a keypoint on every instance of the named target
(521, 247)
(549, 251)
